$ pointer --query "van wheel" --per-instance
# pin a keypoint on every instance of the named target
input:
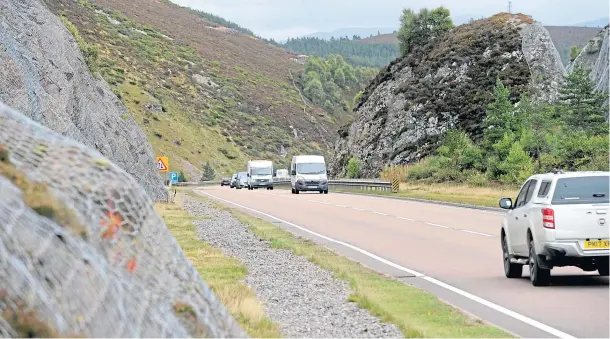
(321, 192)
(292, 190)
(296, 191)
(325, 191)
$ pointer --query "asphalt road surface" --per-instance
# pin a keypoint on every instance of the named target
(452, 252)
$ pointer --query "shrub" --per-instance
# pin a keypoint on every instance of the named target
(353, 168)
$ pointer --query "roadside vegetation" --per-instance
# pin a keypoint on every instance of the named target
(523, 139)
(223, 274)
(417, 313)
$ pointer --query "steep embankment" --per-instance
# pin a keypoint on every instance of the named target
(44, 75)
(446, 84)
(596, 57)
(200, 92)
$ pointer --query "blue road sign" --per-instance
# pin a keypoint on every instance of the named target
(173, 176)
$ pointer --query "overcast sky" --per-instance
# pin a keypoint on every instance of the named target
(280, 19)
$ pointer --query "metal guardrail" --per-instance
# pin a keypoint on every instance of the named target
(351, 184)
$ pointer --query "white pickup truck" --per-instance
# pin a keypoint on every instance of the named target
(558, 219)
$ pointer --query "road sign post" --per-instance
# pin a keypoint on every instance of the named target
(173, 177)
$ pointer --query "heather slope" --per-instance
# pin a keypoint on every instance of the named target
(200, 92)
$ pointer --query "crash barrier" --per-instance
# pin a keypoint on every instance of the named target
(83, 250)
(348, 184)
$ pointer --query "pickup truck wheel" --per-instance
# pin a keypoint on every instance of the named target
(538, 276)
(603, 270)
(510, 270)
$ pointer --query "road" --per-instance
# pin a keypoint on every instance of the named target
(452, 252)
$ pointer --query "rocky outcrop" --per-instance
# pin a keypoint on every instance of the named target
(446, 84)
(83, 252)
(44, 75)
(596, 57)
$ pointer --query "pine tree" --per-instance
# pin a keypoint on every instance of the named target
(181, 177)
(208, 172)
(582, 106)
(500, 116)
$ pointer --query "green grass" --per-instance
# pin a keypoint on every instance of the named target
(222, 273)
(416, 312)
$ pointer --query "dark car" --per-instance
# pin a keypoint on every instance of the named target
(233, 180)
(225, 182)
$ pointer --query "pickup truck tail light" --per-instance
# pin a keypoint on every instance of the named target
(548, 218)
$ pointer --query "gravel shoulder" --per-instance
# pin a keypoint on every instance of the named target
(304, 299)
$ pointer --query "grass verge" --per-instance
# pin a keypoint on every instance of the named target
(222, 273)
(462, 194)
(416, 312)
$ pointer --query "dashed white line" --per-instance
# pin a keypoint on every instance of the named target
(437, 225)
(496, 307)
(405, 218)
(479, 233)
(379, 213)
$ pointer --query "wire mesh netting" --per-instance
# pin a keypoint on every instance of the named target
(82, 246)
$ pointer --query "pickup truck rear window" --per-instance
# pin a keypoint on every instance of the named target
(582, 190)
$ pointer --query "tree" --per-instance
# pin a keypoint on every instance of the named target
(423, 27)
(574, 52)
(181, 177)
(536, 126)
(208, 172)
(500, 116)
(583, 106)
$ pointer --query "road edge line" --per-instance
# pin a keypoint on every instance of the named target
(467, 295)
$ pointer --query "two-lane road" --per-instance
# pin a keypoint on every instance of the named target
(456, 246)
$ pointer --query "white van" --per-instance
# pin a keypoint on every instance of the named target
(308, 173)
(260, 174)
(282, 174)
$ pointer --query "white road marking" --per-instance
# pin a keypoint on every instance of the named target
(437, 225)
(479, 233)
(439, 283)
(384, 214)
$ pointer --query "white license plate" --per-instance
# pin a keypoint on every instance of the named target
(312, 186)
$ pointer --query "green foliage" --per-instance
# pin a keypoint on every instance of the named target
(416, 30)
(328, 81)
(355, 52)
(181, 177)
(582, 107)
(208, 172)
(500, 118)
(353, 168)
(90, 51)
(574, 52)
(357, 98)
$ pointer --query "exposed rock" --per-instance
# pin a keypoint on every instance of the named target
(446, 84)
(204, 81)
(44, 75)
(596, 57)
(82, 246)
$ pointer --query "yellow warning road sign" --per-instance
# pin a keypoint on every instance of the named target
(162, 164)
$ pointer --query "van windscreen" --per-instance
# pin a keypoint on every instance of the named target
(261, 170)
(311, 168)
(582, 190)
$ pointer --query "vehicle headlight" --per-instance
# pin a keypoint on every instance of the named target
(323, 181)
(300, 179)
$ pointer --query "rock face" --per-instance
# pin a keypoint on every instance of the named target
(44, 75)
(596, 57)
(446, 84)
(89, 255)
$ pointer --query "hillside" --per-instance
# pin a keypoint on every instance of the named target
(443, 85)
(199, 91)
(564, 37)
